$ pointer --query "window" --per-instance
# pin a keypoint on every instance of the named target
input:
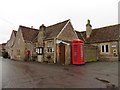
(50, 49)
(102, 48)
(39, 50)
(105, 48)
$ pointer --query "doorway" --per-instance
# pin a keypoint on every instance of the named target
(62, 53)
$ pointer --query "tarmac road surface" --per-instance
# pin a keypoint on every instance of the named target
(18, 74)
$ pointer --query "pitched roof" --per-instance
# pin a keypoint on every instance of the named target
(104, 34)
(53, 30)
(14, 31)
(28, 33)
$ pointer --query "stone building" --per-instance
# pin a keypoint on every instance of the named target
(107, 39)
(10, 43)
(56, 40)
(2, 48)
(23, 43)
(47, 44)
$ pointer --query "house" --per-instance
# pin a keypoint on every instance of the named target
(50, 44)
(10, 43)
(2, 48)
(23, 42)
(107, 39)
(56, 41)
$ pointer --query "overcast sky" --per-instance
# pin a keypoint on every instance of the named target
(36, 12)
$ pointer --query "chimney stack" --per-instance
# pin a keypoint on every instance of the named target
(88, 29)
(42, 29)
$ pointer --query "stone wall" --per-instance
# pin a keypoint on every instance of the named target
(110, 56)
(18, 48)
(68, 34)
(49, 54)
(67, 54)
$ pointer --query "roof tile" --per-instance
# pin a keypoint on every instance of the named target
(28, 33)
(51, 31)
(109, 33)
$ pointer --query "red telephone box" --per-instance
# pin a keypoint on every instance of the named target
(78, 52)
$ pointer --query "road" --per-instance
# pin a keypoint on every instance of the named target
(18, 74)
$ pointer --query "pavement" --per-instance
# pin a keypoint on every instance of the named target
(18, 74)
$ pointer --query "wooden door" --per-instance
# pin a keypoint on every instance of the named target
(62, 53)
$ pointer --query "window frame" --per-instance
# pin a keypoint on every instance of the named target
(102, 48)
(105, 48)
(40, 50)
(50, 49)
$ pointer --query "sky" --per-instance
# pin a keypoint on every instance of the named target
(48, 12)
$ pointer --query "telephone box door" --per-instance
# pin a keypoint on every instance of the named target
(78, 52)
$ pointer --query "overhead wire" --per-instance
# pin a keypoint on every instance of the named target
(7, 21)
